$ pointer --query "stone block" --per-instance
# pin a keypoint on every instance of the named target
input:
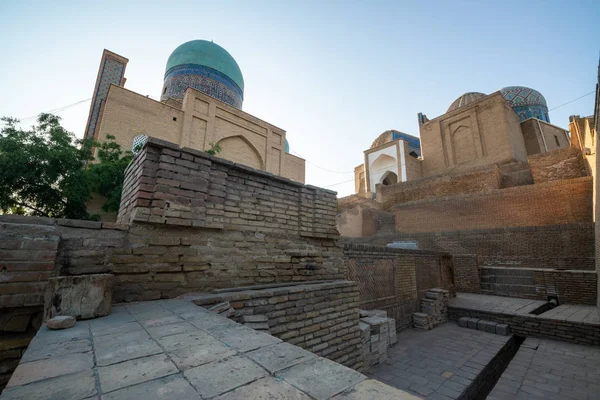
(372, 389)
(472, 323)
(502, 329)
(82, 297)
(60, 322)
(481, 325)
(463, 321)
(491, 327)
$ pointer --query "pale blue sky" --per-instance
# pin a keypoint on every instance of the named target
(333, 74)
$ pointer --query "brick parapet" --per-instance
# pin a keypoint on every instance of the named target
(169, 185)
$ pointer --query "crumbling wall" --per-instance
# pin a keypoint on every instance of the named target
(559, 164)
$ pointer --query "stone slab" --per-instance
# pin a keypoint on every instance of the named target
(39, 350)
(200, 354)
(372, 389)
(219, 377)
(186, 339)
(321, 378)
(50, 368)
(77, 386)
(279, 356)
(170, 329)
(173, 387)
(265, 388)
(115, 348)
(502, 329)
(132, 372)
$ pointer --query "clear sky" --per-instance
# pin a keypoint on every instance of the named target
(333, 74)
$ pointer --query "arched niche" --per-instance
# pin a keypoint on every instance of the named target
(238, 149)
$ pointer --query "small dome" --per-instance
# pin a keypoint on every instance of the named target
(526, 102)
(465, 99)
(414, 143)
(208, 54)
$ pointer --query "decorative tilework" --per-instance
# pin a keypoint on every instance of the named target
(139, 140)
(111, 72)
(204, 79)
(527, 102)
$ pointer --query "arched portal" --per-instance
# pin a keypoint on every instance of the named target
(389, 178)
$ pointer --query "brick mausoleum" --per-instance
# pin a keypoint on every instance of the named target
(463, 268)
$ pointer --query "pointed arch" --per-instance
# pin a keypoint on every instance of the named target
(238, 149)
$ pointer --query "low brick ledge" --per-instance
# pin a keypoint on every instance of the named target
(71, 223)
(249, 293)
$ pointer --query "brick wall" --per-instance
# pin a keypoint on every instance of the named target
(558, 164)
(505, 261)
(320, 317)
(549, 203)
(472, 180)
(172, 186)
(395, 279)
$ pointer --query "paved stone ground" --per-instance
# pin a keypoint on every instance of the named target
(438, 364)
(509, 305)
(173, 349)
(495, 304)
(546, 369)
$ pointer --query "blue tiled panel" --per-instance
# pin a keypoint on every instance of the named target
(111, 72)
(414, 144)
(204, 79)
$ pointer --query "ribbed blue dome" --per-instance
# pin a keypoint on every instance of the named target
(207, 67)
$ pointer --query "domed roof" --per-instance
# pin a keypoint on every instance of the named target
(414, 143)
(523, 96)
(465, 99)
(208, 54)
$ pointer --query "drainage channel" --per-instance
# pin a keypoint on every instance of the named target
(485, 381)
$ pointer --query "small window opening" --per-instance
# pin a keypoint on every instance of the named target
(556, 139)
(174, 118)
(165, 90)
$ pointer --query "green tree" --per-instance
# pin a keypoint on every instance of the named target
(106, 176)
(41, 169)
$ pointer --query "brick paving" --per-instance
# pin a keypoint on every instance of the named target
(547, 369)
(173, 349)
(438, 364)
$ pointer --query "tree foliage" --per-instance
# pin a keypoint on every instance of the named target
(106, 176)
(43, 170)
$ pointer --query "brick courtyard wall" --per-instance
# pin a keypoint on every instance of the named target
(472, 180)
(531, 262)
(168, 185)
(395, 279)
(559, 164)
(320, 317)
(556, 202)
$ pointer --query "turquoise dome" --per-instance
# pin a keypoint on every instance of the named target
(526, 102)
(208, 54)
(204, 66)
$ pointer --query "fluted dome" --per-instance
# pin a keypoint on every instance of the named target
(465, 99)
(526, 102)
(207, 67)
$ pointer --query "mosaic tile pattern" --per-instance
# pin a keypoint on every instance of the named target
(204, 79)
(111, 71)
(527, 102)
